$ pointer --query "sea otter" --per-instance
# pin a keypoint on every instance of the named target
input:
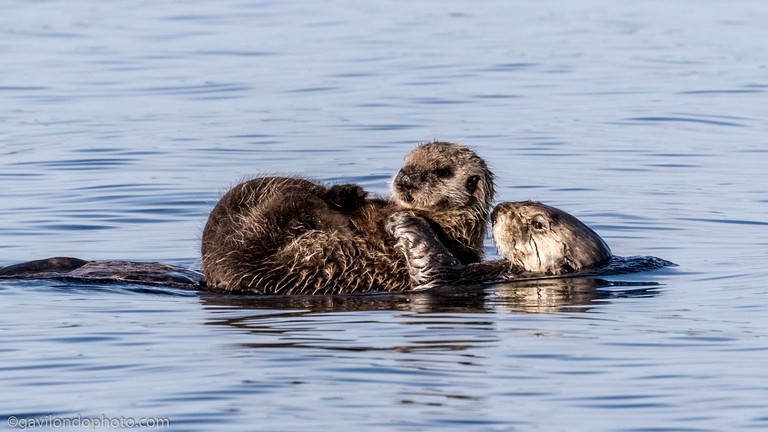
(539, 242)
(535, 239)
(285, 235)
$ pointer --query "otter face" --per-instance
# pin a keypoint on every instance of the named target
(546, 240)
(443, 176)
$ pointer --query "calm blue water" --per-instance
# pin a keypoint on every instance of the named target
(122, 122)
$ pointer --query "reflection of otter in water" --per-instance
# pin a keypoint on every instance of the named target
(530, 296)
(291, 236)
(536, 241)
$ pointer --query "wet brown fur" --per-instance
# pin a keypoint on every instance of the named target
(283, 235)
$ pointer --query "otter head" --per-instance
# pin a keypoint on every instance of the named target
(543, 239)
(444, 176)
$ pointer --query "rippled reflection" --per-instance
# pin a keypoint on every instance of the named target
(535, 296)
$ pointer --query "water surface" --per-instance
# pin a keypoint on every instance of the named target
(123, 122)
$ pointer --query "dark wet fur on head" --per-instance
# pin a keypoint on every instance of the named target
(287, 235)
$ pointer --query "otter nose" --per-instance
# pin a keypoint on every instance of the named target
(406, 181)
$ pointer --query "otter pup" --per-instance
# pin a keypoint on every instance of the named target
(280, 235)
(536, 240)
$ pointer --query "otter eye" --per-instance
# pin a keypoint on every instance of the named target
(539, 223)
(472, 183)
(443, 172)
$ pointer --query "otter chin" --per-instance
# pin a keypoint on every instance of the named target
(536, 240)
(287, 235)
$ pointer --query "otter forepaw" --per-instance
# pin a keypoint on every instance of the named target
(402, 222)
(429, 261)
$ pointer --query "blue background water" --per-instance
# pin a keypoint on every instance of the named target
(122, 122)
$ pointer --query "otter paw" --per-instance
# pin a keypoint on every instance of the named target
(345, 197)
(402, 222)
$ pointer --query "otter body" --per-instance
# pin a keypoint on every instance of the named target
(283, 235)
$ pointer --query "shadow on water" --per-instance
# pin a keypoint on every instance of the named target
(530, 296)
(447, 319)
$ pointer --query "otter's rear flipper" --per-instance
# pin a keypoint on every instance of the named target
(136, 272)
(103, 271)
(48, 267)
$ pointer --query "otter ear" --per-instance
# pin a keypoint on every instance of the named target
(472, 183)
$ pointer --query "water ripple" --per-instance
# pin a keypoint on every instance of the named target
(737, 91)
(682, 120)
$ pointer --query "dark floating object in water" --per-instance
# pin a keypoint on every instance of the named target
(104, 271)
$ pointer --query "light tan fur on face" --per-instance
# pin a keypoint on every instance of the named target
(461, 211)
(546, 240)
